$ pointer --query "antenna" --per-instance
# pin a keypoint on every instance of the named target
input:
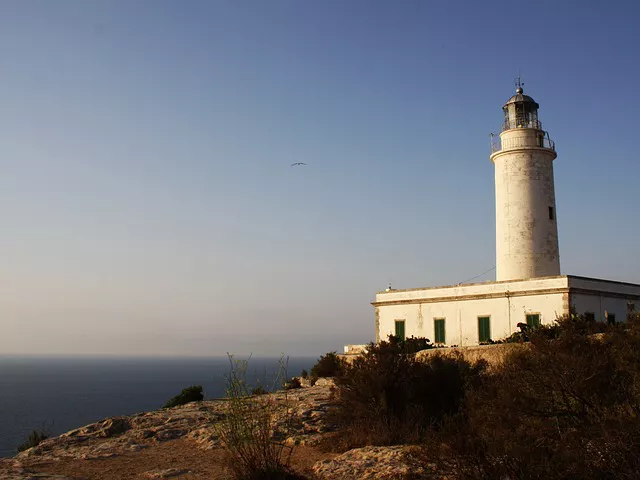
(518, 82)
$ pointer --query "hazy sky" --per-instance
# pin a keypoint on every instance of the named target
(146, 198)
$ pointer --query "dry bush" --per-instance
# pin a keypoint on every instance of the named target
(388, 397)
(568, 407)
(247, 429)
(328, 365)
(33, 440)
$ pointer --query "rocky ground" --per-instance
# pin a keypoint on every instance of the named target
(182, 443)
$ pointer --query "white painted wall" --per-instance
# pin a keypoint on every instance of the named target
(507, 303)
(526, 238)
(461, 317)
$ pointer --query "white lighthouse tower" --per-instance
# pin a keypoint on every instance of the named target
(526, 226)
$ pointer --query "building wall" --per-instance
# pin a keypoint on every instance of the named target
(507, 303)
(600, 304)
(461, 317)
(526, 236)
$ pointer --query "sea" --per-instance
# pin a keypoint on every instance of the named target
(58, 394)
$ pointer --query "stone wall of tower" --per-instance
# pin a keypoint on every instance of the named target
(526, 225)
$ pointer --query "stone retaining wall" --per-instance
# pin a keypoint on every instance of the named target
(493, 354)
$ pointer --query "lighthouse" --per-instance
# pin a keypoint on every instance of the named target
(526, 219)
(529, 288)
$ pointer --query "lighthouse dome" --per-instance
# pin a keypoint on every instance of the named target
(520, 97)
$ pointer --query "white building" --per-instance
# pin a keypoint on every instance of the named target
(528, 287)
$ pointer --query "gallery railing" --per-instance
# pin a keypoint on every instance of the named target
(542, 142)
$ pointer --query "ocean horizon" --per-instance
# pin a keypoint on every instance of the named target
(59, 393)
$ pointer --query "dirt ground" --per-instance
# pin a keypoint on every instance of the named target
(175, 454)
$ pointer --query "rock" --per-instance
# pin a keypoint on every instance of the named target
(114, 426)
(326, 382)
(170, 434)
(168, 473)
(11, 470)
(299, 419)
(369, 463)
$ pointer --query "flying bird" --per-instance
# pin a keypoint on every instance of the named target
(297, 163)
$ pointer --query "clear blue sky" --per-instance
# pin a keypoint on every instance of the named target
(146, 198)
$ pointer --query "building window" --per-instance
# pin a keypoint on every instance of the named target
(551, 215)
(611, 318)
(533, 320)
(590, 316)
(400, 329)
(484, 329)
(438, 327)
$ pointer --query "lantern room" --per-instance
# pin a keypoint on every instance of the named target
(521, 111)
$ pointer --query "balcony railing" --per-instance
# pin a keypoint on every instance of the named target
(542, 142)
(521, 122)
(496, 144)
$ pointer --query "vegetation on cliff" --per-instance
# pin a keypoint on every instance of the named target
(247, 428)
(189, 394)
(566, 407)
(34, 439)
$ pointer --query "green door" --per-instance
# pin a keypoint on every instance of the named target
(484, 329)
(533, 320)
(438, 327)
(400, 329)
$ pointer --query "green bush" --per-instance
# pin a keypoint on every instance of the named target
(328, 365)
(304, 374)
(189, 394)
(389, 397)
(34, 439)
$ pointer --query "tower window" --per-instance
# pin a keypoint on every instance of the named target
(551, 215)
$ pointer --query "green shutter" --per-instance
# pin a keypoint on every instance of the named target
(400, 329)
(533, 320)
(484, 329)
(439, 330)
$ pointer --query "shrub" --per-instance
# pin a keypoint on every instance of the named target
(387, 397)
(411, 344)
(568, 324)
(567, 407)
(304, 374)
(189, 394)
(247, 429)
(34, 439)
(259, 390)
(328, 365)
(293, 384)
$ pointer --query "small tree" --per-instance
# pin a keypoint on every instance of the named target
(328, 365)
